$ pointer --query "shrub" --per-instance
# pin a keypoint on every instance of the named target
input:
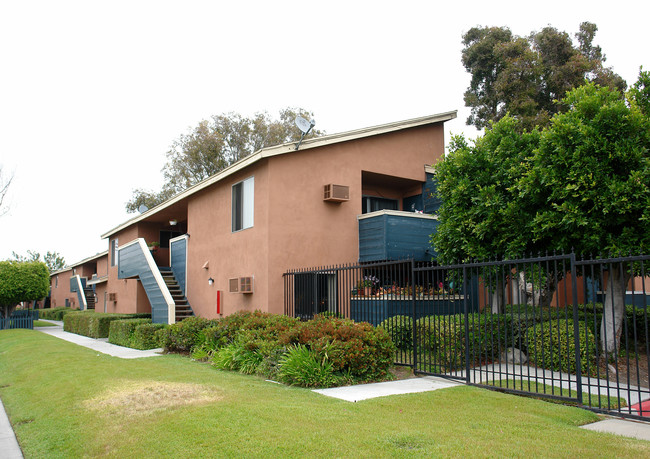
(54, 313)
(121, 331)
(184, 335)
(236, 357)
(359, 349)
(551, 345)
(443, 338)
(144, 336)
(303, 367)
(94, 324)
(400, 329)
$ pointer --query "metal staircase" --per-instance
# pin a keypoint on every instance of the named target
(183, 308)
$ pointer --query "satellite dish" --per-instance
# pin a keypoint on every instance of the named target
(142, 209)
(304, 126)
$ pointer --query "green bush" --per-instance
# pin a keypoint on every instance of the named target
(94, 324)
(183, 336)
(121, 331)
(54, 313)
(144, 336)
(400, 329)
(443, 338)
(358, 349)
(237, 357)
(303, 367)
(551, 345)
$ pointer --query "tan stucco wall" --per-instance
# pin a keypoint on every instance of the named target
(307, 231)
(293, 226)
(229, 255)
(59, 292)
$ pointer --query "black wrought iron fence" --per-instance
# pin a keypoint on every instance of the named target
(553, 326)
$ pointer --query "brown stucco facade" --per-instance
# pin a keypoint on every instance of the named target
(293, 226)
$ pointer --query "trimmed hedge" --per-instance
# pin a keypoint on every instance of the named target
(93, 324)
(551, 345)
(121, 331)
(144, 336)
(443, 338)
(54, 313)
(400, 329)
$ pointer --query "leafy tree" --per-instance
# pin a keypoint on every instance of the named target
(22, 281)
(482, 217)
(53, 260)
(525, 76)
(582, 183)
(639, 93)
(4, 188)
(590, 184)
(214, 145)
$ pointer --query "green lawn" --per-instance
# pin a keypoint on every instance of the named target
(69, 401)
(42, 323)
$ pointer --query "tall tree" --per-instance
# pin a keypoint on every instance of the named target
(590, 183)
(215, 144)
(53, 260)
(581, 183)
(22, 281)
(525, 76)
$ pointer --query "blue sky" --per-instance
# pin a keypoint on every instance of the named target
(93, 93)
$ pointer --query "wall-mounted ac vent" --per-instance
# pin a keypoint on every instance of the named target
(112, 297)
(336, 193)
(241, 285)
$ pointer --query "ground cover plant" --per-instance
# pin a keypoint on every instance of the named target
(63, 400)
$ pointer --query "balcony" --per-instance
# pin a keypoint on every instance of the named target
(396, 235)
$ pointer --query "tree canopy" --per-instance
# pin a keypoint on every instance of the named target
(53, 260)
(525, 76)
(581, 183)
(22, 281)
(215, 144)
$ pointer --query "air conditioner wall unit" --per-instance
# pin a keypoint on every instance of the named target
(241, 284)
(336, 193)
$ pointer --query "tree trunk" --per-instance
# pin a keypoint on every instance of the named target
(498, 297)
(613, 310)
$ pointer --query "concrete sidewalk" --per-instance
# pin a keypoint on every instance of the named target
(100, 345)
(9, 448)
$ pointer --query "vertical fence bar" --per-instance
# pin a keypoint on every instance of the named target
(576, 328)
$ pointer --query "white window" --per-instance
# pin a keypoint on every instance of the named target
(114, 252)
(242, 204)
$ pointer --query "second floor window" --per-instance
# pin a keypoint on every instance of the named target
(242, 204)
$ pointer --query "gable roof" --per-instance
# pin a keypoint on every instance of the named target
(285, 148)
(79, 263)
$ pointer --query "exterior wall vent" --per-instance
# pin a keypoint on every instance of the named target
(241, 284)
(112, 297)
(336, 193)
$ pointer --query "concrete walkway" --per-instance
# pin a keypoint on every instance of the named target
(100, 345)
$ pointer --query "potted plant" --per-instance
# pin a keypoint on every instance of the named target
(153, 246)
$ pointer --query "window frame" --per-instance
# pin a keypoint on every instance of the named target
(243, 204)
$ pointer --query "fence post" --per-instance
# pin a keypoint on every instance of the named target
(414, 359)
(576, 328)
(465, 310)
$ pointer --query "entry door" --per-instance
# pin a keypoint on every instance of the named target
(178, 260)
